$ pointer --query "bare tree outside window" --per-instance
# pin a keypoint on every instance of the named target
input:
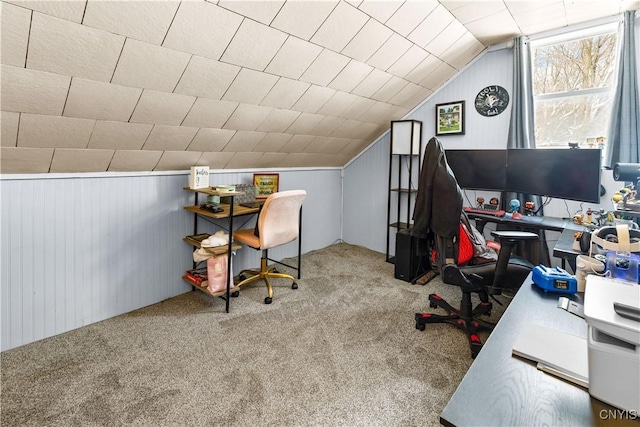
(573, 87)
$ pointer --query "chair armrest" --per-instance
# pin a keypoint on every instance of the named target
(514, 235)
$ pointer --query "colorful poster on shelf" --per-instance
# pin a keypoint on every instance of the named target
(266, 184)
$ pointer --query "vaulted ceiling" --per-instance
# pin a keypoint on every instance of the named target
(90, 86)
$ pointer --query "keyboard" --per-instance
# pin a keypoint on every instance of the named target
(484, 211)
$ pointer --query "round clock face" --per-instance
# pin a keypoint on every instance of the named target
(492, 100)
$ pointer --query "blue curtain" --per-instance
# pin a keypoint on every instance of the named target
(624, 130)
(521, 132)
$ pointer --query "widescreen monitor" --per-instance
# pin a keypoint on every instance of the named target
(571, 174)
(479, 169)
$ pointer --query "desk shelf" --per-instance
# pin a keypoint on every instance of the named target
(229, 211)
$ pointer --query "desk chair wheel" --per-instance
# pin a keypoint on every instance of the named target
(235, 294)
(420, 326)
(294, 285)
(268, 300)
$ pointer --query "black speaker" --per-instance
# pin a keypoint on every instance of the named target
(408, 264)
(626, 172)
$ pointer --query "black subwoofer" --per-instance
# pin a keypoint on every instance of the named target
(409, 265)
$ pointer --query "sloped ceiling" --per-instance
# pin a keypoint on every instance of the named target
(92, 86)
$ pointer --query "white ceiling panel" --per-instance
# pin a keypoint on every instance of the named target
(303, 18)
(177, 160)
(313, 99)
(409, 15)
(14, 34)
(202, 28)
(372, 83)
(67, 160)
(341, 26)
(261, 11)
(119, 135)
(390, 52)
(98, 100)
(134, 160)
(149, 66)
(257, 79)
(217, 160)
(390, 89)
(380, 10)
(25, 160)
(142, 20)
(241, 160)
(460, 53)
(368, 40)
(351, 76)
(325, 68)
(426, 67)
(66, 48)
(54, 131)
(273, 142)
(338, 103)
(297, 144)
(285, 93)
(244, 140)
(541, 19)
(475, 10)
(68, 10)
(211, 139)
(207, 78)
(407, 62)
(250, 86)
(494, 29)
(162, 108)
(9, 125)
(443, 41)
(247, 117)
(305, 123)
(30, 91)
(432, 25)
(278, 120)
(254, 45)
(293, 58)
(169, 138)
(209, 113)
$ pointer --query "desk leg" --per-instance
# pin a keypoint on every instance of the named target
(229, 253)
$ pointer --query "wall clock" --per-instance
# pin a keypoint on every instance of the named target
(492, 100)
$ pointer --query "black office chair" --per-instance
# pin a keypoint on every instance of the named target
(438, 223)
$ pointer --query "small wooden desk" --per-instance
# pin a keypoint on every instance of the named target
(502, 390)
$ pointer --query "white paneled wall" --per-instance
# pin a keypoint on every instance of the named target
(77, 250)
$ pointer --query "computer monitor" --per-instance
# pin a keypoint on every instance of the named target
(479, 169)
(571, 174)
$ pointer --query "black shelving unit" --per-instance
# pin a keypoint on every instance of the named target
(405, 155)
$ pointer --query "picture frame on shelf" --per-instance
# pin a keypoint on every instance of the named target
(266, 184)
(450, 118)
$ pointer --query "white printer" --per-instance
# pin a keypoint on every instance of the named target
(611, 308)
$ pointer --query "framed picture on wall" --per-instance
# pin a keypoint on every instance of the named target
(450, 118)
(266, 184)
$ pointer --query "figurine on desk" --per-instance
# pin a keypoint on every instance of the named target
(514, 210)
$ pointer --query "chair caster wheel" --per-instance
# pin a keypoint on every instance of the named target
(433, 305)
(268, 300)
(420, 326)
(235, 294)
(242, 277)
(294, 285)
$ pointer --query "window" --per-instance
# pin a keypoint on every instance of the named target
(573, 80)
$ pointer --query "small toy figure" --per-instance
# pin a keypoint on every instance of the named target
(514, 206)
(529, 208)
(480, 202)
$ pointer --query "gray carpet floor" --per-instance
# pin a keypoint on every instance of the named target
(342, 350)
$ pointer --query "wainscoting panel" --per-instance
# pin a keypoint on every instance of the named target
(80, 249)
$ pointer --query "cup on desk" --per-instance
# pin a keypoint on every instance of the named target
(586, 265)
